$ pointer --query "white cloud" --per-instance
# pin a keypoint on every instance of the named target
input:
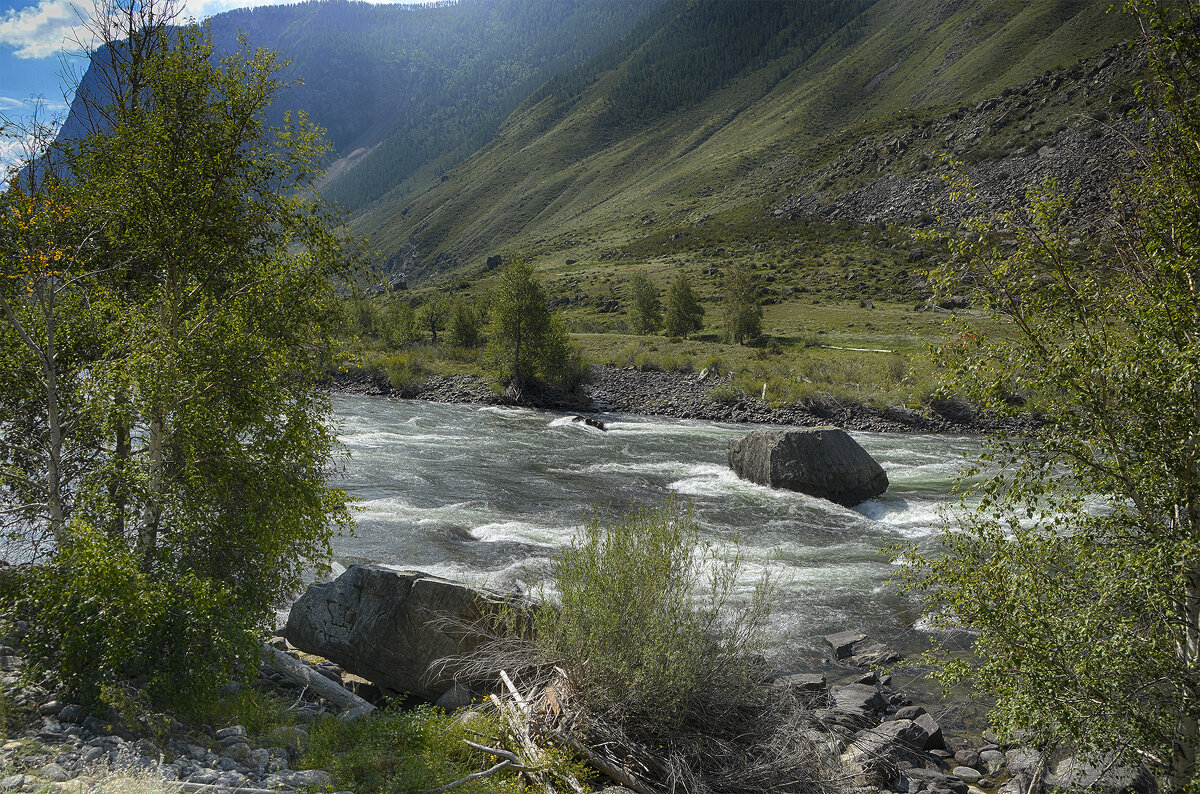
(28, 104)
(13, 153)
(45, 29)
(42, 30)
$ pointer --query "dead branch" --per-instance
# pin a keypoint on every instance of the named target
(620, 774)
(350, 704)
(467, 779)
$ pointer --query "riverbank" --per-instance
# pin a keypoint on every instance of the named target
(611, 389)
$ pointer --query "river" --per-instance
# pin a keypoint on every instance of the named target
(487, 495)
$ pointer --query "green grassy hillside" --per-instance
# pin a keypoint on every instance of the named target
(695, 118)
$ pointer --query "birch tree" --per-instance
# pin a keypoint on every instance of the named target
(47, 335)
(1076, 562)
(177, 308)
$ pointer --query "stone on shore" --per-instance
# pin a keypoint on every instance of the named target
(858, 650)
(393, 628)
(824, 462)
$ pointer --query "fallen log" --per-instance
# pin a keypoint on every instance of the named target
(620, 774)
(349, 704)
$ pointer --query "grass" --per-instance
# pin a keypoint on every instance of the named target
(704, 170)
(815, 347)
(413, 750)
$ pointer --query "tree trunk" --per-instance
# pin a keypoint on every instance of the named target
(123, 448)
(152, 513)
(54, 469)
(1187, 730)
(54, 472)
(351, 704)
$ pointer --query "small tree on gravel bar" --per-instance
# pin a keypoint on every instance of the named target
(1076, 562)
(526, 341)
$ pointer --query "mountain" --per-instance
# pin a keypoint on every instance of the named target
(612, 130)
(721, 109)
(408, 89)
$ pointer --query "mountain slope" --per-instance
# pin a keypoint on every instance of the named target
(592, 158)
(402, 88)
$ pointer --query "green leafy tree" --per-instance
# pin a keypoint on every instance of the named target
(1076, 561)
(526, 341)
(205, 264)
(433, 314)
(400, 324)
(367, 319)
(47, 336)
(645, 307)
(685, 315)
(464, 325)
(743, 312)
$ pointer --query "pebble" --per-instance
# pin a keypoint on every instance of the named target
(81, 743)
(966, 774)
(967, 758)
(673, 394)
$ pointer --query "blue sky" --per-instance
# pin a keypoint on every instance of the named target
(36, 37)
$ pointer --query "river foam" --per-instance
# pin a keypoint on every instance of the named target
(488, 495)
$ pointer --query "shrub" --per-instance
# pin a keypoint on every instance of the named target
(654, 664)
(400, 325)
(725, 393)
(97, 622)
(645, 627)
(464, 325)
(647, 362)
(714, 365)
(404, 370)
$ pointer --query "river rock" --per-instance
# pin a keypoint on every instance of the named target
(391, 627)
(822, 461)
(1103, 776)
(874, 753)
(858, 699)
(858, 650)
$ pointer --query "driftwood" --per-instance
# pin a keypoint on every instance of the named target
(349, 704)
(620, 774)
(518, 717)
(531, 755)
(473, 776)
(204, 788)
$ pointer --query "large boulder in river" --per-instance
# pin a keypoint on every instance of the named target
(820, 461)
(391, 627)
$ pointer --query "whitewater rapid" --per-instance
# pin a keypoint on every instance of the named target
(488, 495)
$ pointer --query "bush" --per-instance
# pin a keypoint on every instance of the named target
(464, 325)
(652, 662)
(645, 629)
(404, 370)
(714, 365)
(725, 393)
(97, 622)
(399, 323)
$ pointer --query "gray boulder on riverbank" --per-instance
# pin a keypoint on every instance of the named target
(391, 627)
(822, 461)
